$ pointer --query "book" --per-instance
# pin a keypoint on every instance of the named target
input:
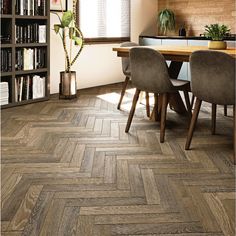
(21, 7)
(20, 88)
(5, 7)
(27, 86)
(25, 59)
(38, 86)
(30, 33)
(43, 7)
(4, 93)
(42, 33)
(28, 7)
(6, 60)
(31, 59)
(35, 86)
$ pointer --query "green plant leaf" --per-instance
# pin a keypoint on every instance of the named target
(67, 21)
(67, 18)
(216, 31)
(166, 20)
(78, 40)
(57, 28)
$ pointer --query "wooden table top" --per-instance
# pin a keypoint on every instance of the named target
(174, 50)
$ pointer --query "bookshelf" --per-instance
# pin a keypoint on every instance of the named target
(25, 43)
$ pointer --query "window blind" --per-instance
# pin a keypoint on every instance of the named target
(104, 18)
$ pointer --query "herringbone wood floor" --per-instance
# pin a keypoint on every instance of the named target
(68, 168)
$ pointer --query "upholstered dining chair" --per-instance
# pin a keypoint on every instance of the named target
(127, 72)
(225, 108)
(213, 81)
(150, 64)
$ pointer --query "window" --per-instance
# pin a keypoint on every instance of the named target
(104, 20)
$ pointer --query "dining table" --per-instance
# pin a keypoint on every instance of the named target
(173, 53)
(177, 55)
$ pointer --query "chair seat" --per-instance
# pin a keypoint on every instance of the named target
(179, 84)
(149, 73)
(127, 72)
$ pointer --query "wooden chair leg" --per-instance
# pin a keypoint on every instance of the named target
(193, 123)
(213, 119)
(155, 111)
(188, 105)
(165, 100)
(225, 110)
(131, 113)
(192, 101)
(147, 104)
(123, 91)
(140, 97)
(234, 158)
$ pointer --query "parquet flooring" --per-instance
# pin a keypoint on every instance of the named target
(68, 168)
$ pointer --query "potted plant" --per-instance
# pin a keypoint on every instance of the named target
(216, 33)
(166, 20)
(71, 36)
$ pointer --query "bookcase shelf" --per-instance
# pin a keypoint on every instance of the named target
(31, 17)
(6, 74)
(2, 16)
(35, 53)
(13, 104)
(24, 72)
(25, 45)
(7, 45)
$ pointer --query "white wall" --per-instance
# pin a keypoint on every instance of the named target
(98, 64)
(143, 18)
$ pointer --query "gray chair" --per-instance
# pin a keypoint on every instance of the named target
(127, 72)
(150, 73)
(213, 81)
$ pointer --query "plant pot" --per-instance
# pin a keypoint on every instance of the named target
(67, 87)
(217, 45)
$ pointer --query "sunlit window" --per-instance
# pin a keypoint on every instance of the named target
(105, 20)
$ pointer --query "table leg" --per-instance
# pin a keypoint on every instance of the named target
(176, 102)
(156, 112)
(174, 69)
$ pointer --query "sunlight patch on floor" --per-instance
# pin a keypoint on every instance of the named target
(114, 98)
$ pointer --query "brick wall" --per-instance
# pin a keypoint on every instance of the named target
(197, 13)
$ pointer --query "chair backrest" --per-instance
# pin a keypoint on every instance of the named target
(125, 60)
(149, 70)
(213, 77)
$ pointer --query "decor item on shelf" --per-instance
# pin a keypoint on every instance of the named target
(166, 20)
(182, 30)
(216, 33)
(58, 5)
(70, 36)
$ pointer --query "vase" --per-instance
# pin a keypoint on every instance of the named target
(217, 45)
(67, 86)
(182, 31)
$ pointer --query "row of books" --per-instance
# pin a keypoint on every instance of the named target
(6, 59)
(29, 87)
(4, 93)
(5, 38)
(5, 6)
(30, 33)
(31, 7)
(31, 58)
